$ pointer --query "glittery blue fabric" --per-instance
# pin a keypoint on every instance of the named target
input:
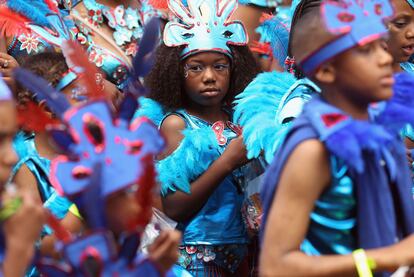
(333, 218)
(39, 166)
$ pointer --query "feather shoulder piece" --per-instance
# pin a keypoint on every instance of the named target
(194, 155)
(256, 111)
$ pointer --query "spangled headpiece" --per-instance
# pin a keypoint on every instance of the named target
(205, 26)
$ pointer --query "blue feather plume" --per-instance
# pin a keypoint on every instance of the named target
(256, 111)
(194, 155)
(276, 31)
(399, 110)
(150, 109)
(35, 10)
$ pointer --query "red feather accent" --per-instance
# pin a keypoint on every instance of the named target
(52, 5)
(76, 57)
(144, 194)
(33, 118)
(11, 23)
(159, 4)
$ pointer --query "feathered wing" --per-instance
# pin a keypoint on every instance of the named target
(256, 111)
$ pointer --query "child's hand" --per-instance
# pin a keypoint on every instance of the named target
(164, 250)
(21, 230)
(236, 153)
(7, 64)
(24, 226)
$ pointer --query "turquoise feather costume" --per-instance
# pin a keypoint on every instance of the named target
(212, 231)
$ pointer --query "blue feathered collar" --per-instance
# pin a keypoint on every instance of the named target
(196, 152)
(348, 138)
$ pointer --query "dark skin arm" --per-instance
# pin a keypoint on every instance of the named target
(181, 206)
(25, 180)
(305, 176)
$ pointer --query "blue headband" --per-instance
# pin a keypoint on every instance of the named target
(411, 2)
(355, 22)
(66, 80)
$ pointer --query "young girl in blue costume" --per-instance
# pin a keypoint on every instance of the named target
(33, 148)
(337, 200)
(195, 77)
(20, 223)
(115, 200)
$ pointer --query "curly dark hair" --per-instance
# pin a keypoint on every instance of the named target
(49, 65)
(166, 82)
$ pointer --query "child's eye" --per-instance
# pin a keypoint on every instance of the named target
(366, 48)
(221, 67)
(195, 68)
(401, 23)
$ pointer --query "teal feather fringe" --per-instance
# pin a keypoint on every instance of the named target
(35, 10)
(256, 111)
(197, 151)
(150, 109)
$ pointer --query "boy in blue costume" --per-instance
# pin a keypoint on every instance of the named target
(334, 189)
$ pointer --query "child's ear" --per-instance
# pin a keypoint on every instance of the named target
(326, 74)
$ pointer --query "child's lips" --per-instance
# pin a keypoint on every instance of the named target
(408, 50)
(387, 81)
(210, 92)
